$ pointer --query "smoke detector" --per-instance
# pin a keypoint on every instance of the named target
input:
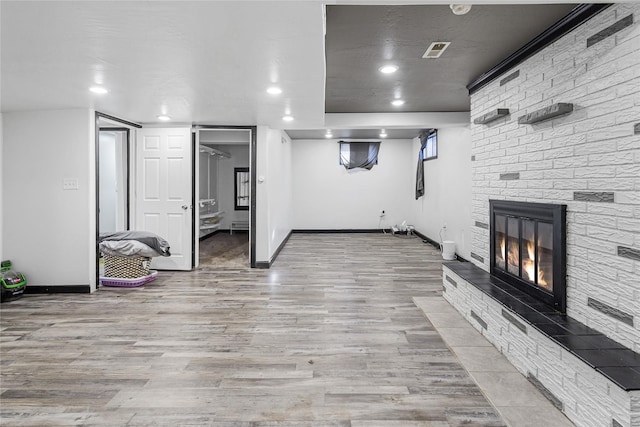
(460, 9)
(436, 49)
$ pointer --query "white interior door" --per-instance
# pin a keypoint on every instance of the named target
(164, 191)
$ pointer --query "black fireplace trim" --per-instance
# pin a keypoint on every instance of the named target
(581, 13)
(557, 215)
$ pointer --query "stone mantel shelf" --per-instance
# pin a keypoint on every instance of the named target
(546, 113)
(491, 116)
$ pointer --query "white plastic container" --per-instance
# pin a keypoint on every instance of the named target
(449, 250)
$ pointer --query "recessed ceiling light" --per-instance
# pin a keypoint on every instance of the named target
(98, 89)
(383, 134)
(397, 102)
(328, 134)
(287, 118)
(388, 69)
(274, 90)
(164, 118)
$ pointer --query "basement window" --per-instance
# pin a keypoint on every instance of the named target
(362, 155)
(430, 146)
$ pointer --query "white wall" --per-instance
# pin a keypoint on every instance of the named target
(113, 158)
(207, 177)
(108, 182)
(122, 159)
(207, 187)
(274, 197)
(326, 196)
(49, 233)
(225, 183)
(447, 190)
(280, 195)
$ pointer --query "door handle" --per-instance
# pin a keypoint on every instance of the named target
(185, 207)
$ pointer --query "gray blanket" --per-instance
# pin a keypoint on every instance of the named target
(152, 240)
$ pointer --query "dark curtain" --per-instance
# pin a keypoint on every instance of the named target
(420, 171)
(361, 155)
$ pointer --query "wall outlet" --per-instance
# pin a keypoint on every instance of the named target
(70, 184)
(444, 225)
(382, 212)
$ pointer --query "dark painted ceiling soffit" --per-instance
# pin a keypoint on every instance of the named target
(576, 17)
(360, 39)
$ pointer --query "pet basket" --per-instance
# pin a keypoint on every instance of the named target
(128, 283)
(126, 267)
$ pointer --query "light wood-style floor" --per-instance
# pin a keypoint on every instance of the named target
(329, 336)
(224, 250)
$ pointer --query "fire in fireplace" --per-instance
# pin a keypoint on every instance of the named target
(536, 240)
(528, 248)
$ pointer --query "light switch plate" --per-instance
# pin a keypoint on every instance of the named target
(70, 184)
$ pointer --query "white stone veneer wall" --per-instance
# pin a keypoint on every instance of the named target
(596, 148)
(586, 397)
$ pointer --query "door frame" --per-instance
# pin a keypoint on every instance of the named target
(253, 184)
(98, 116)
(253, 181)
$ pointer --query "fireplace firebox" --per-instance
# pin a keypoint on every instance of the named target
(528, 248)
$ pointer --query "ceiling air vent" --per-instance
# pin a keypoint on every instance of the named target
(436, 49)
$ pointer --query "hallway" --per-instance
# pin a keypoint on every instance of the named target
(329, 336)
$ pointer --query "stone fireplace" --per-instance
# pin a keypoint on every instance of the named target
(528, 248)
(561, 129)
(568, 135)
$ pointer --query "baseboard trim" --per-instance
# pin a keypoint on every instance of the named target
(223, 232)
(65, 289)
(262, 264)
(427, 239)
(435, 244)
(268, 264)
(277, 252)
(207, 236)
(340, 230)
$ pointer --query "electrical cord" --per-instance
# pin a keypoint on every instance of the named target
(380, 225)
(407, 234)
(441, 239)
(404, 236)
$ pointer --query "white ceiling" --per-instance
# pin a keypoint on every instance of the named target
(202, 62)
(199, 62)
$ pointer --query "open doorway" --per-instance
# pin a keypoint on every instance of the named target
(223, 188)
(239, 141)
(113, 177)
(113, 146)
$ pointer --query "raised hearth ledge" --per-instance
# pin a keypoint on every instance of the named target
(596, 378)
